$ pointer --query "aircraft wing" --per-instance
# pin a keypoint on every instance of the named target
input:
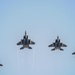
(63, 45)
(52, 45)
(31, 42)
(20, 43)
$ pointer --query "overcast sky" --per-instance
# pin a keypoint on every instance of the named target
(43, 20)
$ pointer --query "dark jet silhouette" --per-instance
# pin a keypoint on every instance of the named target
(26, 42)
(1, 64)
(73, 53)
(57, 44)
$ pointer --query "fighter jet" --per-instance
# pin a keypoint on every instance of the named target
(26, 42)
(1, 64)
(73, 53)
(57, 44)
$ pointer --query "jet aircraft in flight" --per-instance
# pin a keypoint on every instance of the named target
(57, 44)
(26, 42)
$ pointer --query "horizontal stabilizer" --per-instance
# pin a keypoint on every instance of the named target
(61, 49)
(53, 49)
(29, 47)
(21, 48)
